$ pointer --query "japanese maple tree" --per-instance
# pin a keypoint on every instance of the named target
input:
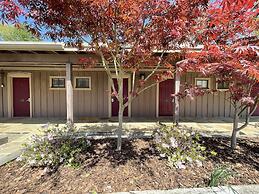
(9, 11)
(230, 54)
(124, 35)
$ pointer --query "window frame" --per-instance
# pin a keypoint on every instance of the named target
(206, 79)
(86, 77)
(217, 84)
(55, 77)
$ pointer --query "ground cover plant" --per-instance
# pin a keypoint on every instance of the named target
(53, 146)
(180, 146)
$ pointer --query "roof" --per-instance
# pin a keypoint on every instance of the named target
(56, 47)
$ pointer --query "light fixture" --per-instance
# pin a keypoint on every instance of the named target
(2, 85)
(142, 76)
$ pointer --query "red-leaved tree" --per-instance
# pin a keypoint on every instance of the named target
(125, 36)
(9, 11)
(227, 31)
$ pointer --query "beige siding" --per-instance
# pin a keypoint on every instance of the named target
(94, 103)
(144, 105)
(209, 105)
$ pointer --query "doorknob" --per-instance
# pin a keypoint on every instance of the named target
(28, 100)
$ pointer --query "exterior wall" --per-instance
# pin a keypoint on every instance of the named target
(209, 105)
(94, 103)
(144, 105)
(52, 103)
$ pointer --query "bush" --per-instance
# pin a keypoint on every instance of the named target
(54, 146)
(180, 146)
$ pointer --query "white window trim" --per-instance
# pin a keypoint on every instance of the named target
(222, 90)
(90, 83)
(202, 78)
(50, 82)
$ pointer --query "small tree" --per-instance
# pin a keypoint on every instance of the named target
(124, 35)
(12, 33)
(230, 53)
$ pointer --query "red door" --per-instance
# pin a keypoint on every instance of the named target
(115, 102)
(255, 91)
(21, 97)
(166, 89)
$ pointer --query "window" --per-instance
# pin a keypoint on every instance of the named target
(82, 83)
(57, 82)
(222, 85)
(203, 83)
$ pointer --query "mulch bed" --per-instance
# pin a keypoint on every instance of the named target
(138, 167)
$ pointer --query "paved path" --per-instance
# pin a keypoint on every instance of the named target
(19, 130)
(240, 189)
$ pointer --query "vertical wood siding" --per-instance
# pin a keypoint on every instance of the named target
(52, 103)
(94, 103)
(144, 105)
(209, 105)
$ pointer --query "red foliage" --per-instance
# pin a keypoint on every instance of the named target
(9, 11)
(231, 50)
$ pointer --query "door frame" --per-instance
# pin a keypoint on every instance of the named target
(10, 77)
(110, 98)
(157, 98)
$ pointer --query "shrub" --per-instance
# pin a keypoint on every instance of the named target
(180, 146)
(220, 175)
(54, 146)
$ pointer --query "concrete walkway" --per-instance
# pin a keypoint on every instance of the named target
(19, 130)
(240, 189)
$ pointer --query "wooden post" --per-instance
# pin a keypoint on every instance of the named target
(69, 93)
(176, 98)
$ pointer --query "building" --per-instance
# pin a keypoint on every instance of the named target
(33, 84)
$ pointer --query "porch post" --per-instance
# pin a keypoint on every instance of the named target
(176, 98)
(69, 93)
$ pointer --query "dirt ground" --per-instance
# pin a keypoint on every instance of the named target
(138, 167)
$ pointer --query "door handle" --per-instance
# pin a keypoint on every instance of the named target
(28, 100)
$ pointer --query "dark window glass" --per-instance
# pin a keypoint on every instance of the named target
(82, 82)
(223, 85)
(58, 83)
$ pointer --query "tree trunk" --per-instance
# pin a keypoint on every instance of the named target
(235, 130)
(120, 115)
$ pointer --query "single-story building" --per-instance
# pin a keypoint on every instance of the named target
(34, 75)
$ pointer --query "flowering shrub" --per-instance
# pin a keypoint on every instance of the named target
(54, 146)
(180, 146)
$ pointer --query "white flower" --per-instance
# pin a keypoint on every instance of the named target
(199, 163)
(50, 136)
(162, 155)
(180, 165)
(32, 162)
(157, 139)
(173, 142)
(189, 159)
(165, 145)
(19, 159)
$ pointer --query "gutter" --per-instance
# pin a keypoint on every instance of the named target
(31, 46)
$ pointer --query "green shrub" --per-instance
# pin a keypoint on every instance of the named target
(219, 176)
(54, 146)
(180, 146)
